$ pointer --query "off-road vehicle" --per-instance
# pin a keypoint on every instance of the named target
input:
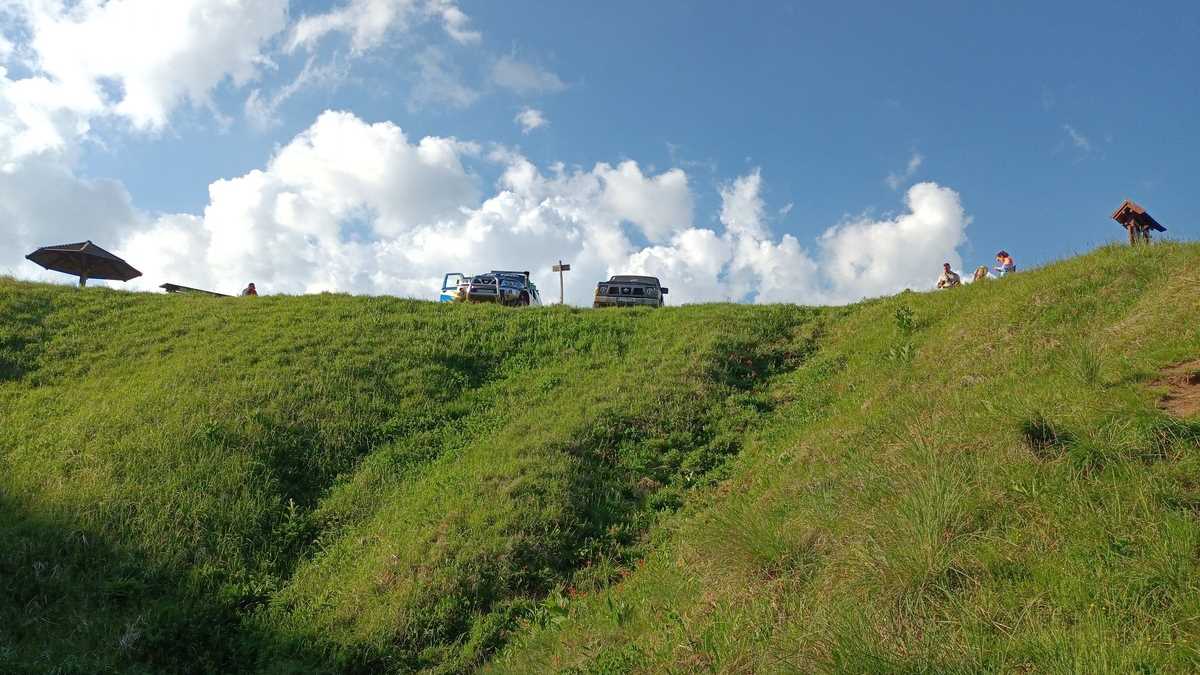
(626, 290)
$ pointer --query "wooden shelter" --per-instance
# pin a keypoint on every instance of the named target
(176, 288)
(1134, 218)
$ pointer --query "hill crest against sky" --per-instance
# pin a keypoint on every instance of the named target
(773, 152)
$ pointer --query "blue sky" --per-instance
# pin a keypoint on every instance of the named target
(1039, 117)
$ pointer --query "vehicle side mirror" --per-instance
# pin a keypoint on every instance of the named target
(664, 291)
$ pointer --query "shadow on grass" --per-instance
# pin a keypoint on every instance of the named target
(22, 332)
(75, 601)
(1044, 438)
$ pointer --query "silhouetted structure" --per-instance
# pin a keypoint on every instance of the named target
(84, 260)
(176, 288)
(1134, 218)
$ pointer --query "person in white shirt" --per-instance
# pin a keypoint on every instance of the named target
(949, 278)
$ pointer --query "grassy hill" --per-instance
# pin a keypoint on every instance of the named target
(977, 479)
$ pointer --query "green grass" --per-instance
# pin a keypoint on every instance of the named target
(970, 480)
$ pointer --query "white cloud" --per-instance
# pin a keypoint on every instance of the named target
(742, 205)
(1077, 139)
(134, 60)
(353, 206)
(42, 202)
(523, 77)
(361, 207)
(37, 116)
(292, 226)
(741, 263)
(456, 24)
(369, 22)
(262, 110)
(140, 59)
(895, 180)
(530, 119)
(439, 82)
(348, 205)
(659, 205)
(866, 258)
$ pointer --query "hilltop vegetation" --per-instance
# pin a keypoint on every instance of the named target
(977, 479)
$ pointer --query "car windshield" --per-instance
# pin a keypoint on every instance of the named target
(635, 280)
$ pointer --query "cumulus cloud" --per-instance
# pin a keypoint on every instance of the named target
(741, 263)
(131, 60)
(529, 119)
(522, 77)
(657, 205)
(42, 202)
(865, 258)
(355, 206)
(140, 59)
(368, 22)
(896, 179)
(361, 207)
(742, 205)
(136, 60)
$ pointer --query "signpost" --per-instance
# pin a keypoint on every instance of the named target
(560, 268)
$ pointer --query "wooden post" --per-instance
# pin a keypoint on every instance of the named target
(560, 268)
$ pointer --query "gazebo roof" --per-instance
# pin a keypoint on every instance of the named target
(1130, 210)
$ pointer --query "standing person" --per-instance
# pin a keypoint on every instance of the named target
(250, 290)
(949, 278)
(1004, 264)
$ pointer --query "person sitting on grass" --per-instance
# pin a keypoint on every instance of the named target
(250, 290)
(1005, 264)
(949, 278)
(981, 273)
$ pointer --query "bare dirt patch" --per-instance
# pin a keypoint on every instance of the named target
(1183, 389)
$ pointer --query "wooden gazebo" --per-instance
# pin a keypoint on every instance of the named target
(1134, 218)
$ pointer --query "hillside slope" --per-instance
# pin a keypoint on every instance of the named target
(969, 480)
